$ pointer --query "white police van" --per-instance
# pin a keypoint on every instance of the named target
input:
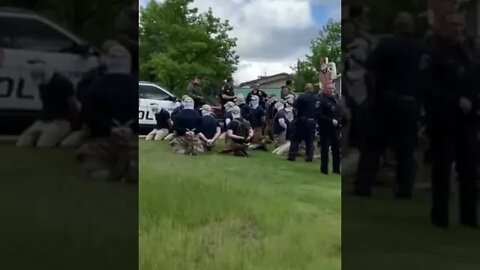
(151, 94)
(26, 36)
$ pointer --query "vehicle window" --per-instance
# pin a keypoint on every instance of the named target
(152, 92)
(32, 35)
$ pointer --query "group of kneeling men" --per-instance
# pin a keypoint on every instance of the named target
(242, 127)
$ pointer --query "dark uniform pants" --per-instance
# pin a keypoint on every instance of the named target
(396, 126)
(448, 145)
(330, 140)
(303, 130)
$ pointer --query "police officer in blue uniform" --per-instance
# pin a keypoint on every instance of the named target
(329, 123)
(304, 124)
(450, 105)
(394, 109)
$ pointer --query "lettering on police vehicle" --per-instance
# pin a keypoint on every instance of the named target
(145, 115)
(13, 88)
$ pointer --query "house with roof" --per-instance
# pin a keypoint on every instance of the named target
(272, 81)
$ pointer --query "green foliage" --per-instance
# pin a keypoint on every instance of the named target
(178, 42)
(90, 19)
(327, 44)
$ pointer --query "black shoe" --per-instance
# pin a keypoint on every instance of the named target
(309, 160)
(324, 171)
(291, 159)
(337, 172)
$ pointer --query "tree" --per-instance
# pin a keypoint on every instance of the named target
(327, 44)
(178, 42)
(90, 19)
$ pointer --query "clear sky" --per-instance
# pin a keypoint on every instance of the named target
(272, 34)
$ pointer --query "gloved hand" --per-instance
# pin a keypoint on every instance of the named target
(335, 122)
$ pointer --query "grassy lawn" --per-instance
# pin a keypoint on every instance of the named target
(50, 216)
(384, 233)
(218, 212)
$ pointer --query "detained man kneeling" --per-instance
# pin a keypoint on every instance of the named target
(111, 152)
(59, 107)
(211, 130)
(239, 134)
(187, 125)
(163, 125)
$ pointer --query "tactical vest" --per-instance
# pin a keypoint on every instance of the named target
(243, 127)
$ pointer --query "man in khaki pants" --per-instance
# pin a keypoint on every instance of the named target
(163, 125)
(59, 105)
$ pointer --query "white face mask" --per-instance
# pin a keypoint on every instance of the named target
(205, 113)
(188, 105)
(289, 116)
(254, 104)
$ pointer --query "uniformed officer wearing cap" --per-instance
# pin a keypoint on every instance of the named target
(450, 107)
(210, 130)
(330, 124)
(305, 122)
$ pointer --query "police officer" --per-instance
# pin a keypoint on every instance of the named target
(330, 123)
(195, 91)
(227, 93)
(304, 124)
(450, 108)
(394, 111)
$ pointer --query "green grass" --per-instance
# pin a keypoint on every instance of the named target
(221, 212)
(51, 217)
(384, 233)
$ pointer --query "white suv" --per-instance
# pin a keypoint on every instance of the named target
(25, 36)
(149, 95)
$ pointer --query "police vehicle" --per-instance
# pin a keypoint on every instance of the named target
(26, 36)
(151, 94)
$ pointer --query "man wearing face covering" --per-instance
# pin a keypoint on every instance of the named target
(80, 132)
(187, 126)
(163, 124)
(244, 108)
(259, 93)
(211, 130)
(110, 111)
(59, 108)
(280, 125)
(257, 121)
(239, 134)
